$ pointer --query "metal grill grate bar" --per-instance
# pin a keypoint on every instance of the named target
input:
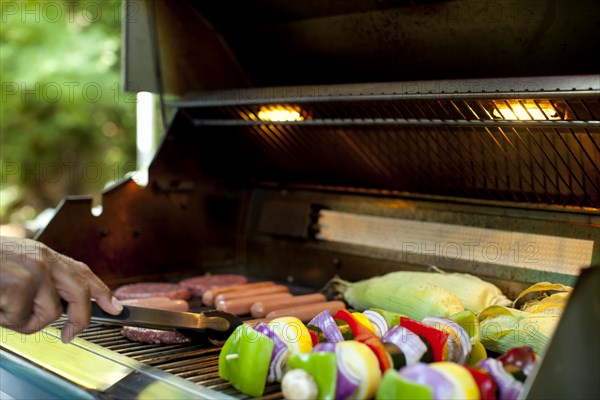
(193, 362)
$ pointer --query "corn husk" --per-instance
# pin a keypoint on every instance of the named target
(540, 301)
(503, 328)
(474, 293)
(414, 299)
(421, 294)
(553, 304)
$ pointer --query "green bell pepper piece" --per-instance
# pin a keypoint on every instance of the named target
(318, 332)
(391, 318)
(345, 329)
(478, 353)
(468, 320)
(244, 360)
(395, 386)
(323, 368)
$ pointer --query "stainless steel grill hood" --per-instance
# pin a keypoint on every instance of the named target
(210, 45)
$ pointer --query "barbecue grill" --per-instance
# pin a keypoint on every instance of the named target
(434, 165)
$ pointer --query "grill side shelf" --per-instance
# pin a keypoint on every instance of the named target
(102, 361)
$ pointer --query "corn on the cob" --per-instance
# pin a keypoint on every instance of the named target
(414, 299)
(422, 294)
(553, 304)
(503, 328)
(474, 293)
(541, 302)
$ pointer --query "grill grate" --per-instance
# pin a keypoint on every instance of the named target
(195, 362)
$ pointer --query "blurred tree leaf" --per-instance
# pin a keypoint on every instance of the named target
(67, 127)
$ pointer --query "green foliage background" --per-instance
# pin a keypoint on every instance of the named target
(66, 125)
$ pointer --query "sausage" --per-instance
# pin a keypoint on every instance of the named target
(197, 285)
(241, 305)
(208, 298)
(306, 312)
(159, 303)
(151, 289)
(262, 308)
(253, 322)
(252, 292)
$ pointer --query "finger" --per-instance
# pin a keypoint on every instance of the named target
(74, 289)
(78, 312)
(18, 288)
(74, 326)
(68, 332)
(32, 302)
(98, 289)
(46, 307)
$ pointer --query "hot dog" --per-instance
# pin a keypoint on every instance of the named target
(160, 303)
(241, 305)
(256, 321)
(306, 312)
(262, 308)
(208, 297)
(252, 292)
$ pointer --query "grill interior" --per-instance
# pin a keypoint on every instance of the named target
(539, 150)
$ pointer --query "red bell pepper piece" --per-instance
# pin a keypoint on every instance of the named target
(314, 337)
(363, 335)
(485, 383)
(437, 339)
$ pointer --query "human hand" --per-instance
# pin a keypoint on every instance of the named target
(33, 279)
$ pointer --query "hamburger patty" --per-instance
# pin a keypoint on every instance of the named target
(153, 336)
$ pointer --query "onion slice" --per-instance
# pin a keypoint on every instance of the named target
(381, 326)
(299, 384)
(326, 347)
(347, 381)
(458, 343)
(508, 386)
(279, 355)
(325, 322)
(425, 375)
(408, 342)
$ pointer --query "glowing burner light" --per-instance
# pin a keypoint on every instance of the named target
(525, 110)
(280, 114)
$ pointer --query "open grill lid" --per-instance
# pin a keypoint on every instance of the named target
(531, 140)
(213, 45)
